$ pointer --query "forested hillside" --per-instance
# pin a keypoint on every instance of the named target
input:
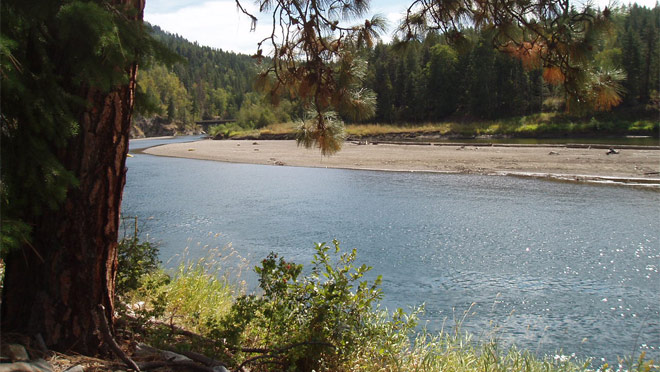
(432, 80)
(208, 83)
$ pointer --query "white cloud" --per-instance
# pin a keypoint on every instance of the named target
(167, 6)
(218, 24)
(221, 25)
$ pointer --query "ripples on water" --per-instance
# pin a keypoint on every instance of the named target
(549, 265)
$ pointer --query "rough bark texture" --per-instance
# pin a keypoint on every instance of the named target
(53, 287)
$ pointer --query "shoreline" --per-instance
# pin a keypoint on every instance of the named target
(152, 138)
(630, 167)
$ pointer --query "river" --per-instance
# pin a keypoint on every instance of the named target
(545, 265)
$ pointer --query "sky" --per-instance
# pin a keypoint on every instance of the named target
(219, 24)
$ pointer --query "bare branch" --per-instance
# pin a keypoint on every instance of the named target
(191, 366)
(253, 19)
(102, 321)
(274, 352)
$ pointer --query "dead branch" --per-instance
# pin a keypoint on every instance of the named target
(191, 366)
(275, 352)
(200, 358)
(107, 337)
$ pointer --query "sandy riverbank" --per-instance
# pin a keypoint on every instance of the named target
(579, 164)
(152, 138)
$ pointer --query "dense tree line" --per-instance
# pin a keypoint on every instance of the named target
(636, 50)
(428, 80)
(206, 83)
(432, 80)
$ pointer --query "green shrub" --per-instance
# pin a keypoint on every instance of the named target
(226, 130)
(135, 259)
(255, 116)
(315, 320)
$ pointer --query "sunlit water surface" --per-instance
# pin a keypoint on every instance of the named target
(544, 265)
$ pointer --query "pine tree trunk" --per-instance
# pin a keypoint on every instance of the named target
(53, 287)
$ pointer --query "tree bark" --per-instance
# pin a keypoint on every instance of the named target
(53, 286)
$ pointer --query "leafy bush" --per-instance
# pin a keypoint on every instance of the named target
(226, 130)
(308, 322)
(135, 259)
(258, 112)
(255, 116)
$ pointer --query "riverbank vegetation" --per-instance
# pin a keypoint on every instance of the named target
(325, 317)
(542, 125)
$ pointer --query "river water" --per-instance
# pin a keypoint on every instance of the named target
(544, 265)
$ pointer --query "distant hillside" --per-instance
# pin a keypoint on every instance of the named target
(216, 80)
(432, 80)
(209, 83)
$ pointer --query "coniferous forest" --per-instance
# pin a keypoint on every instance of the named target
(430, 80)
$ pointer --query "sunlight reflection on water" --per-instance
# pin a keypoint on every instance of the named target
(546, 265)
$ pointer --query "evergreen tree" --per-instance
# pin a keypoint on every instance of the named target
(649, 39)
(171, 109)
(384, 92)
(631, 65)
(482, 84)
(68, 70)
(443, 81)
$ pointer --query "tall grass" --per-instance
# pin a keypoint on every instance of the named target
(195, 293)
(362, 130)
(546, 124)
(198, 293)
(279, 128)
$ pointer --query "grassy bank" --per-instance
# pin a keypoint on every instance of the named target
(542, 125)
(534, 126)
(325, 320)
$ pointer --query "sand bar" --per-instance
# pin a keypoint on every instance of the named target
(639, 167)
(152, 138)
